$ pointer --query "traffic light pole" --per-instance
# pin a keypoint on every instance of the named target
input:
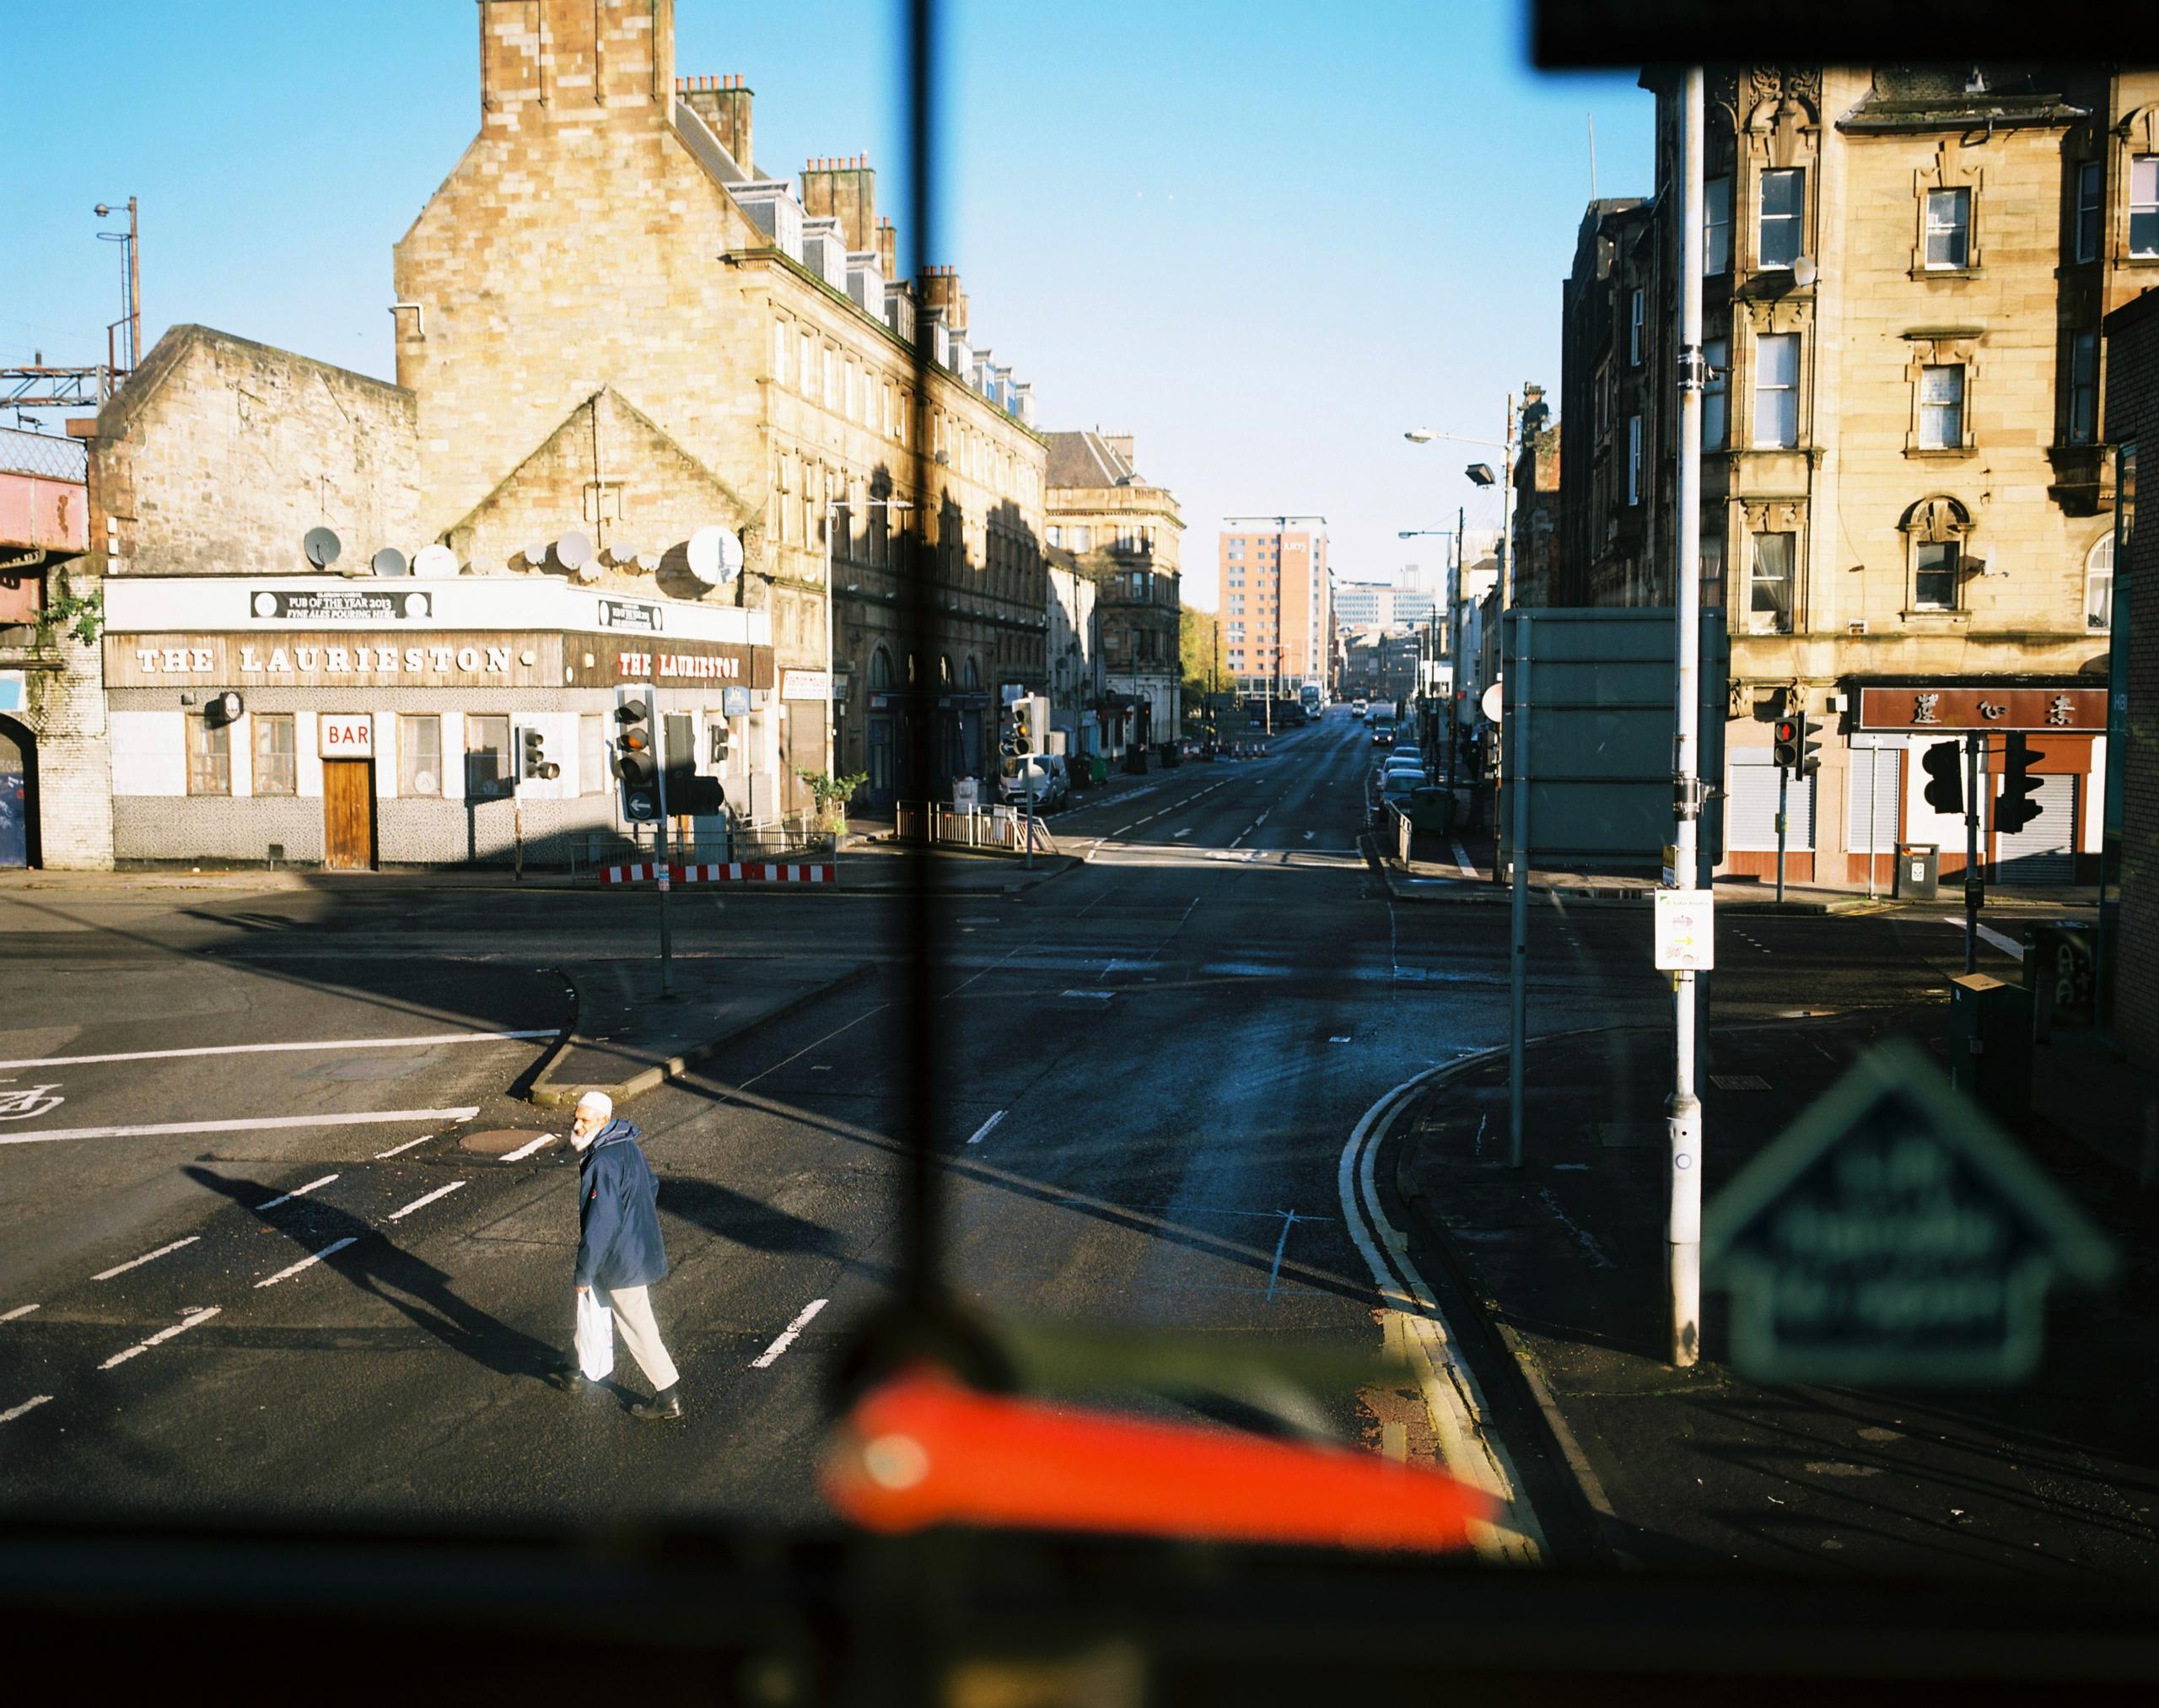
(1974, 882)
(1784, 785)
(666, 873)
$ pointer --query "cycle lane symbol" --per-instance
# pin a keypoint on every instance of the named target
(20, 1102)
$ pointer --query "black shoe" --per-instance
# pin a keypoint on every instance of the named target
(562, 1372)
(660, 1405)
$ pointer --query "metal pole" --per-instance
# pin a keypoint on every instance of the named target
(1683, 1113)
(832, 680)
(665, 876)
(1517, 783)
(1974, 882)
(1027, 768)
(1873, 820)
(134, 289)
(1783, 783)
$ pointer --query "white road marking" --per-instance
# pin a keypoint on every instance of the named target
(20, 1310)
(1416, 1331)
(30, 1405)
(2008, 945)
(766, 1359)
(408, 1145)
(297, 1192)
(983, 1131)
(337, 1043)
(1098, 995)
(1309, 835)
(1186, 831)
(830, 1036)
(527, 1150)
(308, 1262)
(1461, 858)
(201, 1314)
(422, 1203)
(259, 1123)
(147, 1256)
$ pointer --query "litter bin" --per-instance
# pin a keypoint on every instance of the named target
(1172, 756)
(1919, 870)
(1990, 1043)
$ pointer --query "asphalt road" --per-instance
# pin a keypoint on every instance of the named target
(265, 1281)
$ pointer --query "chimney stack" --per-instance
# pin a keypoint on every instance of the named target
(845, 190)
(560, 59)
(724, 104)
(939, 289)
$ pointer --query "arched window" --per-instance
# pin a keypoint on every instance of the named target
(972, 679)
(880, 669)
(2099, 583)
(1938, 530)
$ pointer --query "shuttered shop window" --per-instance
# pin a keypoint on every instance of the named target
(1887, 787)
(1750, 821)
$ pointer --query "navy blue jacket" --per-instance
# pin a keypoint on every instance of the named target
(618, 1213)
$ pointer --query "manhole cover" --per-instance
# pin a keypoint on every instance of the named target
(498, 1142)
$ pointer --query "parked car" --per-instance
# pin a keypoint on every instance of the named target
(1052, 781)
(1395, 790)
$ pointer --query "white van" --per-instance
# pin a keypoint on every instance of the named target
(1053, 782)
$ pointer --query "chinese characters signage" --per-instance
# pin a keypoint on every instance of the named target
(1926, 707)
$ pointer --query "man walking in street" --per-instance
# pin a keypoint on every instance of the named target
(619, 1254)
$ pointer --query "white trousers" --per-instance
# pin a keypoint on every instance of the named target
(631, 1307)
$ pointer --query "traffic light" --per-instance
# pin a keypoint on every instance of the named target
(636, 763)
(678, 761)
(717, 727)
(1809, 746)
(535, 765)
(1791, 734)
(1023, 727)
(2016, 808)
(1944, 764)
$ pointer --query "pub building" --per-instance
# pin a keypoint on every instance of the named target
(360, 722)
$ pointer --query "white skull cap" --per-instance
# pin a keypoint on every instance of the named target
(597, 1104)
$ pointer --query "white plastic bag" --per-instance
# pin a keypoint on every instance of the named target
(595, 1335)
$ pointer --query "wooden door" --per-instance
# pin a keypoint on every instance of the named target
(348, 814)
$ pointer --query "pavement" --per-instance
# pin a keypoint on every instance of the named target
(1564, 1261)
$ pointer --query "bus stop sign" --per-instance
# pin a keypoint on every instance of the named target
(1894, 1235)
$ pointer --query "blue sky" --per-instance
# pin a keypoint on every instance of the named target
(1264, 237)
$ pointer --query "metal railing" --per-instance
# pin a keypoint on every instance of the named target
(43, 454)
(591, 851)
(1000, 828)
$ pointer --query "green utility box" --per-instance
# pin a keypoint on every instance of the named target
(1991, 1044)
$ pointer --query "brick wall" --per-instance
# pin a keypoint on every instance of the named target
(64, 710)
(2132, 413)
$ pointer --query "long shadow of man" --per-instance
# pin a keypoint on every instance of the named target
(376, 1264)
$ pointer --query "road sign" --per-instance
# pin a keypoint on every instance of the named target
(1894, 1235)
(1686, 931)
(1491, 703)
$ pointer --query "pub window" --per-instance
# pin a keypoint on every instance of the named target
(209, 756)
(1769, 585)
(276, 762)
(419, 753)
(486, 755)
(591, 754)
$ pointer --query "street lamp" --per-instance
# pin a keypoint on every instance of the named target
(832, 675)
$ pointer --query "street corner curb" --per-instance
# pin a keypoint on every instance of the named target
(549, 1093)
(1072, 863)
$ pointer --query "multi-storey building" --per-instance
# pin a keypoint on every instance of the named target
(1363, 605)
(1124, 531)
(1906, 502)
(610, 230)
(1278, 621)
(1535, 551)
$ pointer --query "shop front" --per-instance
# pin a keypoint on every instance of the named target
(445, 722)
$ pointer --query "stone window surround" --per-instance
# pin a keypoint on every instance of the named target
(1955, 346)
(1774, 516)
(1945, 173)
(1939, 518)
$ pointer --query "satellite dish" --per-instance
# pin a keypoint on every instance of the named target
(588, 570)
(321, 546)
(434, 561)
(715, 556)
(536, 553)
(390, 561)
(573, 551)
(648, 560)
(1492, 704)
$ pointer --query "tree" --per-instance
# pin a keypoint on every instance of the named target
(1199, 650)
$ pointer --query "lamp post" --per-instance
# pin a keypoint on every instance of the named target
(1446, 721)
(131, 286)
(832, 506)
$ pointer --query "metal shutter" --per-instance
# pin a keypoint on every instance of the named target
(2042, 852)
(1750, 824)
(1886, 788)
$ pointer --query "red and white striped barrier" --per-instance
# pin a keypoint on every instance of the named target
(725, 872)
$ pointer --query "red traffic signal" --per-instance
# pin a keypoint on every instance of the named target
(2016, 808)
(1788, 743)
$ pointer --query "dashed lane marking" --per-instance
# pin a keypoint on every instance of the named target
(422, 1202)
(30, 1405)
(297, 1192)
(526, 1151)
(396, 1149)
(259, 1124)
(770, 1355)
(147, 1258)
(982, 1131)
(336, 1043)
(307, 1263)
(194, 1318)
(20, 1310)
